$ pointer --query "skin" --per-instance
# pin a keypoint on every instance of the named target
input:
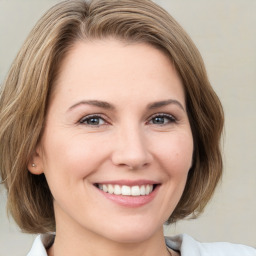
(134, 139)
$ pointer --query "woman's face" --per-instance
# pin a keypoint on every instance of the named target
(117, 146)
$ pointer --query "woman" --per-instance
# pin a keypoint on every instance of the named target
(109, 128)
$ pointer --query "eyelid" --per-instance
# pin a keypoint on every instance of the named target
(84, 118)
(171, 117)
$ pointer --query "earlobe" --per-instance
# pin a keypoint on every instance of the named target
(35, 164)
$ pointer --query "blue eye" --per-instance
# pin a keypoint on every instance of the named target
(162, 119)
(92, 120)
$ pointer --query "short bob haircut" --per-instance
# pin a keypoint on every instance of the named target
(31, 79)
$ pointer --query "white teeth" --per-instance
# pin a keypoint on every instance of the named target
(142, 190)
(148, 189)
(135, 191)
(126, 190)
(105, 188)
(111, 189)
(117, 190)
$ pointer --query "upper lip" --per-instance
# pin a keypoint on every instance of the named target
(129, 182)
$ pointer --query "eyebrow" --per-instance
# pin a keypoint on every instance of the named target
(96, 103)
(163, 103)
(106, 105)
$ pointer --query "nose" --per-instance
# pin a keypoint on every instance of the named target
(131, 149)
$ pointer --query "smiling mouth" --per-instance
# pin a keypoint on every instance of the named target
(125, 190)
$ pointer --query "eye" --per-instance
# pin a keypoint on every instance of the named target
(93, 120)
(162, 119)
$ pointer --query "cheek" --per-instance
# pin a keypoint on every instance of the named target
(72, 156)
(176, 154)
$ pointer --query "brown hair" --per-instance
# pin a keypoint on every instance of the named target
(25, 94)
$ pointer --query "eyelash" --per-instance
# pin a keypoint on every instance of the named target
(90, 117)
(170, 119)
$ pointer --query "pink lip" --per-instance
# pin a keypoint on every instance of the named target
(130, 201)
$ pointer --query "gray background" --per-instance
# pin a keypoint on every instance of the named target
(224, 31)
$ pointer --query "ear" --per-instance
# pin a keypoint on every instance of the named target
(35, 163)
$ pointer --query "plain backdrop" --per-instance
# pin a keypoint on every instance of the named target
(224, 31)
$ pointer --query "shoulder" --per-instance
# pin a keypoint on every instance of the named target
(190, 247)
(40, 244)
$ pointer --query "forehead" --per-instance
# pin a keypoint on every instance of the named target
(98, 68)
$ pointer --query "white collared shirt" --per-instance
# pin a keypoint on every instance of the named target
(184, 244)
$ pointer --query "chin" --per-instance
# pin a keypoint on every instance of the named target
(133, 233)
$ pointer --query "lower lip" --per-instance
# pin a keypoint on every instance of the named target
(131, 201)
